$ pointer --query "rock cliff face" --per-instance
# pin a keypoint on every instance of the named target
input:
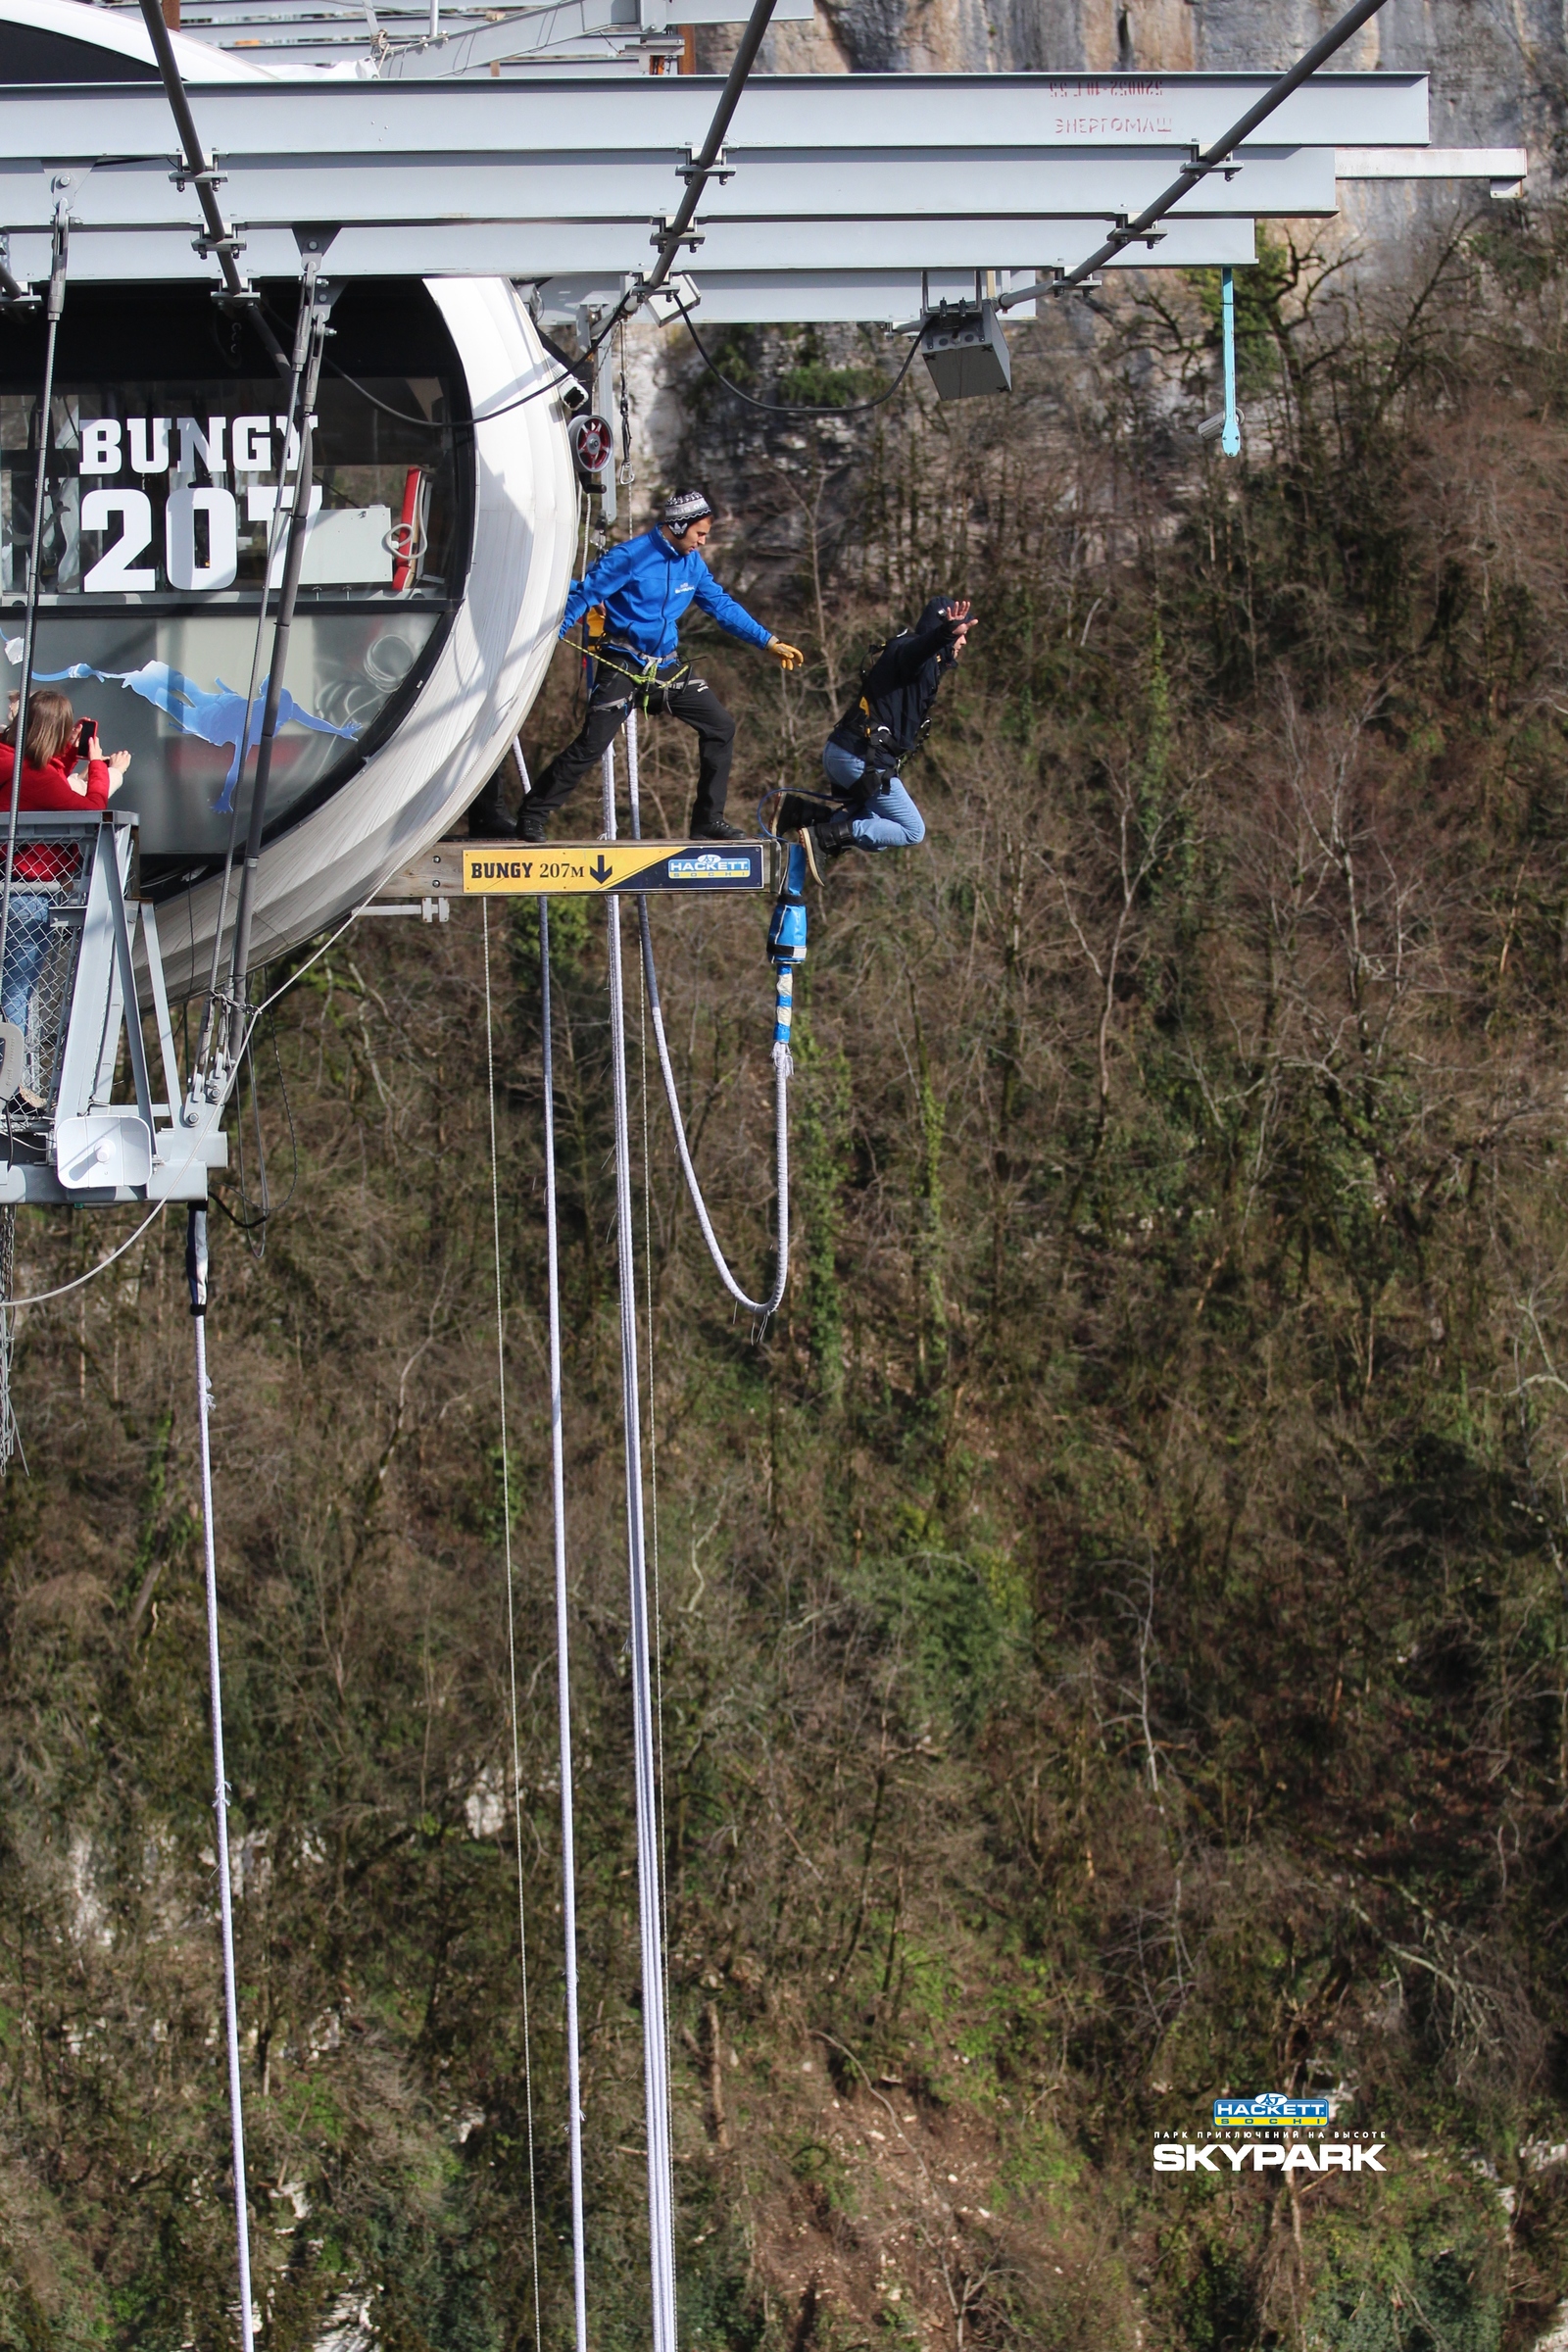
(1498, 68)
(1498, 71)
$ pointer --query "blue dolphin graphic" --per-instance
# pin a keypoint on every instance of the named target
(218, 716)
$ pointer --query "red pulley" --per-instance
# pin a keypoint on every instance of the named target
(593, 447)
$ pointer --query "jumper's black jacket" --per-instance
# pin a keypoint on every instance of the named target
(899, 689)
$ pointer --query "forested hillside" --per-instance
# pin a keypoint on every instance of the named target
(1114, 1628)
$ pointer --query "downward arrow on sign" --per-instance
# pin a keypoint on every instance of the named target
(600, 869)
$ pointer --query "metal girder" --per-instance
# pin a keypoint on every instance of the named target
(843, 187)
(604, 250)
(533, 32)
(285, 36)
(869, 297)
(1000, 114)
(626, 191)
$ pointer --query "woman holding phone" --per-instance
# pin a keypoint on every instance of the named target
(54, 749)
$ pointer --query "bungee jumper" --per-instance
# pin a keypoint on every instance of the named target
(646, 586)
(863, 757)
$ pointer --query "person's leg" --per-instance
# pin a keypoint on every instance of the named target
(606, 716)
(888, 820)
(844, 770)
(697, 706)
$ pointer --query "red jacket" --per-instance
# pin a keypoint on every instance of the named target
(51, 788)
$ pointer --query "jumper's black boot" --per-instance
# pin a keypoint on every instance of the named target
(794, 814)
(834, 835)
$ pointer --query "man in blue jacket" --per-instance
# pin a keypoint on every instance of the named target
(646, 586)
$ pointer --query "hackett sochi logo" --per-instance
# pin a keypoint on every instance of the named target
(1271, 2107)
(1297, 2141)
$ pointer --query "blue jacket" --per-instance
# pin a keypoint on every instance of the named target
(647, 588)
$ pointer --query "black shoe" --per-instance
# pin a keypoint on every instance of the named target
(531, 823)
(717, 828)
(795, 813)
(833, 834)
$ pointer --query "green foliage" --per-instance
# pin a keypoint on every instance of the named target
(1112, 1644)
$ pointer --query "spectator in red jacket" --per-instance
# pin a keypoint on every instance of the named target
(44, 868)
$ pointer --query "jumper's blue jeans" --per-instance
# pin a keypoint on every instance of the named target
(889, 819)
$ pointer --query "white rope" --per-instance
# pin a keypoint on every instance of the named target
(37, 1297)
(198, 1259)
(656, 2049)
(762, 1308)
(569, 1872)
(511, 1641)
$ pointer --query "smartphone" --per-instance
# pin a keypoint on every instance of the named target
(86, 729)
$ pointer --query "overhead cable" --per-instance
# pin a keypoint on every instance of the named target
(702, 166)
(219, 240)
(1209, 159)
(771, 407)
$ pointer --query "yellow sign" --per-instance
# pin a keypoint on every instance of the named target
(583, 867)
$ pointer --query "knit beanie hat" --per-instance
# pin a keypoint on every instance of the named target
(684, 508)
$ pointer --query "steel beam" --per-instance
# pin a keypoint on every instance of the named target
(547, 249)
(850, 114)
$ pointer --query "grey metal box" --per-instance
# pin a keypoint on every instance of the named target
(967, 353)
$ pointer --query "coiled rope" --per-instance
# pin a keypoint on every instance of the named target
(783, 1071)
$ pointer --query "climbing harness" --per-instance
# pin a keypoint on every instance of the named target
(196, 1270)
(786, 947)
(512, 1637)
(648, 679)
(558, 1492)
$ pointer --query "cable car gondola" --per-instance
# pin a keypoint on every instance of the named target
(439, 545)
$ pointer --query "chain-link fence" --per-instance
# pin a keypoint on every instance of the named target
(43, 940)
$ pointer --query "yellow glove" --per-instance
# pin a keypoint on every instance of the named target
(787, 657)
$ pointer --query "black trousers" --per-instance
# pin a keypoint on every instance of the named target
(694, 703)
